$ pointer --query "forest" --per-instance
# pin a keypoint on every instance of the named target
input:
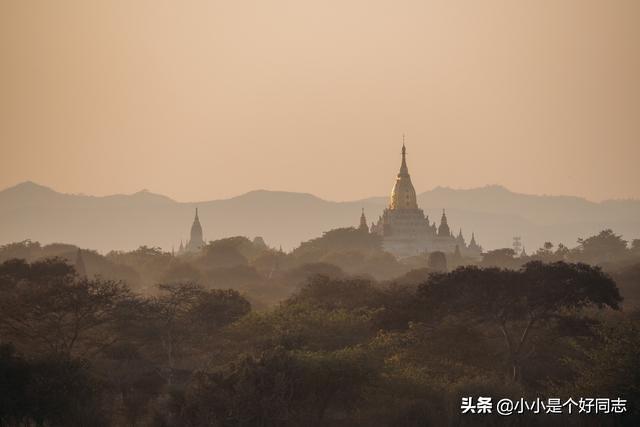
(336, 332)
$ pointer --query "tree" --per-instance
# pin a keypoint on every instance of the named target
(604, 247)
(221, 254)
(185, 315)
(277, 388)
(45, 307)
(150, 263)
(516, 302)
(270, 262)
(240, 244)
(332, 294)
(545, 253)
(301, 275)
(181, 271)
(330, 315)
(48, 390)
(23, 250)
(628, 280)
(562, 252)
(610, 366)
(337, 240)
(502, 258)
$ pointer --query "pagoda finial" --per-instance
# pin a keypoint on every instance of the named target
(404, 171)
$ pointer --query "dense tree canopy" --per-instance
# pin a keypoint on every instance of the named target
(515, 301)
(45, 305)
(337, 332)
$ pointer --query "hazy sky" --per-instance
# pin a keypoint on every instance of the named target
(210, 99)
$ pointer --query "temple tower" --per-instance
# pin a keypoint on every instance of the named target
(443, 230)
(363, 222)
(196, 242)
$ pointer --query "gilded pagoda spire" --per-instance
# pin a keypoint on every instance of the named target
(403, 195)
(404, 170)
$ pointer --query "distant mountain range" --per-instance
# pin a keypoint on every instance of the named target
(495, 214)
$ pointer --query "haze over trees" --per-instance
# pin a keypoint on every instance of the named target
(335, 332)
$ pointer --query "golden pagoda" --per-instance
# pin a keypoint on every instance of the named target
(406, 230)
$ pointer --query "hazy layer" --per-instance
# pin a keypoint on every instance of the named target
(209, 99)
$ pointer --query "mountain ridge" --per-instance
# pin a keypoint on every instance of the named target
(125, 221)
(438, 188)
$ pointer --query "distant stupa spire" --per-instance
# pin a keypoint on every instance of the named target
(195, 240)
(443, 230)
(363, 222)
